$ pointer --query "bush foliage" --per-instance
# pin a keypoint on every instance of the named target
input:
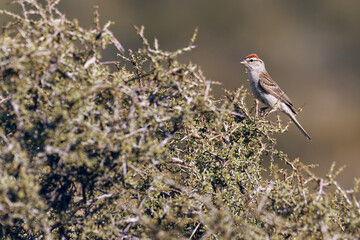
(144, 151)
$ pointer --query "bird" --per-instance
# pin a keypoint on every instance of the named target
(268, 91)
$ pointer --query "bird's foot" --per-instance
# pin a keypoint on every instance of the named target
(263, 111)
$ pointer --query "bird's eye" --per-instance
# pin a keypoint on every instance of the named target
(251, 60)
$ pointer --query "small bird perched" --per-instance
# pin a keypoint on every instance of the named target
(267, 91)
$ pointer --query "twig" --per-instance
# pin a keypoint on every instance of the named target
(342, 192)
(193, 233)
(263, 199)
(141, 76)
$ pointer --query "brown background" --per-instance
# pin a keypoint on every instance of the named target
(310, 49)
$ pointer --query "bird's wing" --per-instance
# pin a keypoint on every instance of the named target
(272, 88)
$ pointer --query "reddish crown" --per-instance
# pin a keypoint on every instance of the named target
(253, 56)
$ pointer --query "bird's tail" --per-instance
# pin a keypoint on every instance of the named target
(292, 116)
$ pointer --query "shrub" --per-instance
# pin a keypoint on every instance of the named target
(145, 151)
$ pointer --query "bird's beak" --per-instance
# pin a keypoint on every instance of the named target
(243, 62)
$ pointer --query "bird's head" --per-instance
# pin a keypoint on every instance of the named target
(253, 62)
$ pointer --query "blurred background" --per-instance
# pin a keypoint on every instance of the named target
(309, 48)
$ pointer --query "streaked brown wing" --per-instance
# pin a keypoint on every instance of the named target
(271, 87)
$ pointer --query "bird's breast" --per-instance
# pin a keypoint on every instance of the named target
(257, 91)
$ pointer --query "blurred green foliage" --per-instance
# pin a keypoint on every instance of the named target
(145, 151)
